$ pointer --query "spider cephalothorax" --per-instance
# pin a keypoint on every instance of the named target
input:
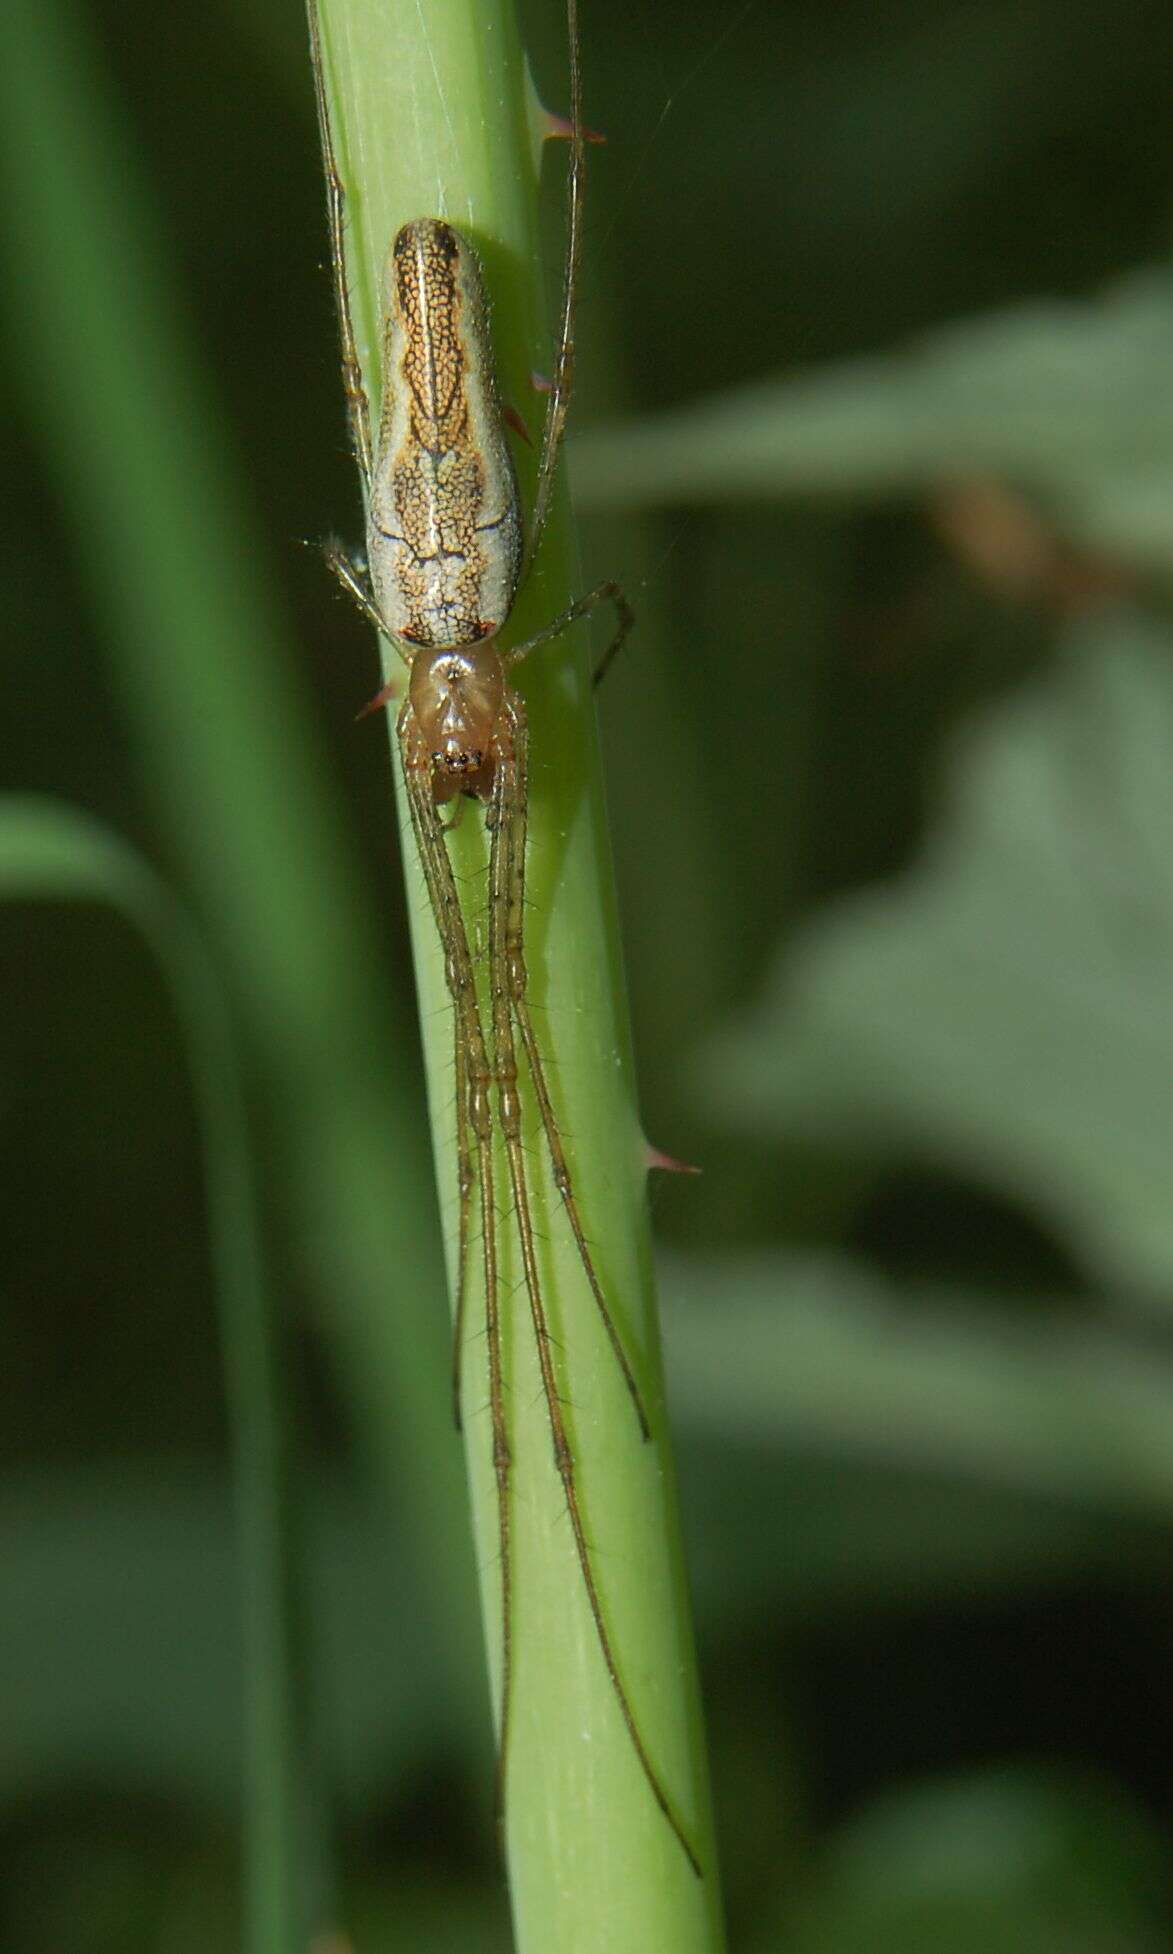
(455, 698)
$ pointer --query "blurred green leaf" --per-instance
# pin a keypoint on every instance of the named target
(1073, 400)
(1006, 1007)
(110, 1573)
(791, 1531)
(819, 1353)
(1028, 1862)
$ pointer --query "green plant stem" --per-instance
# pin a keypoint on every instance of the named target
(432, 116)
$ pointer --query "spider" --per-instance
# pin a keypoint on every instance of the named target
(446, 554)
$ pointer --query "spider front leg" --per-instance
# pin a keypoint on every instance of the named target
(357, 405)
(516, 977)
(473, 1114)
(563, 381)
(354, 582)
(464, 1178)
(604, 593)
(351, 573)
(506, 987)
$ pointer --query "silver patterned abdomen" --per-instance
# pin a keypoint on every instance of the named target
(444, 537)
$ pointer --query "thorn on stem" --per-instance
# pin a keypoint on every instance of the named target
(666, 1162)
(514, 419)
(561, 128)
(382, 698)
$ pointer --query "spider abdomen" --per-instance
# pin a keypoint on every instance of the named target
(444, 539)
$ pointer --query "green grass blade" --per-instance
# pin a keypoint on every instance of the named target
(159, 524)
(432, 116)
(49, 852)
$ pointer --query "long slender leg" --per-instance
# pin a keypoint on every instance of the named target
(624, 619)
(603, 593)
(358, 406)
(563, 382)
(464, 1179)
(517, 978)
(474, 1079)
(504, 840)
(356, 585)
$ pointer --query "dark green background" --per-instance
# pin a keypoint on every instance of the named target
(937, 1676)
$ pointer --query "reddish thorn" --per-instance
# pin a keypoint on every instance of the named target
(514, 420)
(390, 691)
(562, 127)
(540, 383)
(666, 1163)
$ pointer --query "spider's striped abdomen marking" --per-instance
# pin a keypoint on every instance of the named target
(444, 541)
